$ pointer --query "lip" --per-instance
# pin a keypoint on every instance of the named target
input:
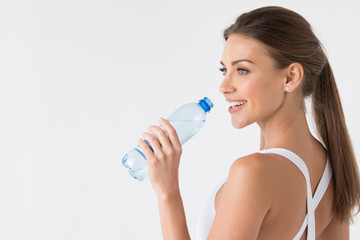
(234, 100)
(235, 109)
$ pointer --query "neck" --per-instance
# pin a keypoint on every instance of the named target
(287, 128)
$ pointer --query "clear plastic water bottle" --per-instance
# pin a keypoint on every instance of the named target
(187, 121)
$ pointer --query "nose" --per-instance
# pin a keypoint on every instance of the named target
(227, 86)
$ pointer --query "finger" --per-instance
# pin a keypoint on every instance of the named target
(153, 141)
(146, 149)
(173, 136)
(161, 135)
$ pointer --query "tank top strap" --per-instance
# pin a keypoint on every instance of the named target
(323, 184)
(294, 158)
(319, 193)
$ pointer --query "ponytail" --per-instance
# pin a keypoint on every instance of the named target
(331, 127)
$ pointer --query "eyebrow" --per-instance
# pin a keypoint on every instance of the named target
(237, 61)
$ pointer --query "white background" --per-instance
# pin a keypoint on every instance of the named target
(81, 80)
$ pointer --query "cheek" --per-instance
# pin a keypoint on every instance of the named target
(253, 91)
(264, 95)
(271, 98)
(249, 88)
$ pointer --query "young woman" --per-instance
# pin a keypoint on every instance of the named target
(295, 187)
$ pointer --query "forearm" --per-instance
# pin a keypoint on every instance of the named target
(172, 217)
(163, 166)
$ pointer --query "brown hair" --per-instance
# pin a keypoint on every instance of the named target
(290, 39)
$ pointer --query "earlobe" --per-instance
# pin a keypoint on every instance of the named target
(294, 77)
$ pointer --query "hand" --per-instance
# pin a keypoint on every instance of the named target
(163, 163)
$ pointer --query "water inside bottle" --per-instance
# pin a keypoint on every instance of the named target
(186, 128)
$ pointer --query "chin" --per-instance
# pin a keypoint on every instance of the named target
(238, 124)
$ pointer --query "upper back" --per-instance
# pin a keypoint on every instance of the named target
(289, 202)
(288, 195)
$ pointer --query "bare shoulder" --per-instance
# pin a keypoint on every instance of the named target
(260, 167)
(252, 171)
(244, 201)
(276, 178)
(248, 196)
(254, 164)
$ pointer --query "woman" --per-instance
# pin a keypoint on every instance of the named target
(295, 187)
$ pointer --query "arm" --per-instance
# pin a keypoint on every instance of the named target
(244, 202)
(163, 165)
(172, 217)
(335, 231)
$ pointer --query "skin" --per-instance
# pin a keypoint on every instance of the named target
(264, 196)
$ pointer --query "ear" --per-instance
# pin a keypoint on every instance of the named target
(294, 77)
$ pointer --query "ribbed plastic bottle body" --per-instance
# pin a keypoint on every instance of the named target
(186, 120)
(135, 161)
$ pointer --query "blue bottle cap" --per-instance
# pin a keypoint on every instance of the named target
(206, 104)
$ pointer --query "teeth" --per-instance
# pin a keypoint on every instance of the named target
(234, 104)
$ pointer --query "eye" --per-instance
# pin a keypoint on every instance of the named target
(242, 71)
(223, 70)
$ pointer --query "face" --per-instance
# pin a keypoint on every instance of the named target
(252, 84)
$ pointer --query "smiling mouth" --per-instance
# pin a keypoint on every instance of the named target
(236, 104)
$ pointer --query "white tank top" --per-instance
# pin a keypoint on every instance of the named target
(207, 214)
